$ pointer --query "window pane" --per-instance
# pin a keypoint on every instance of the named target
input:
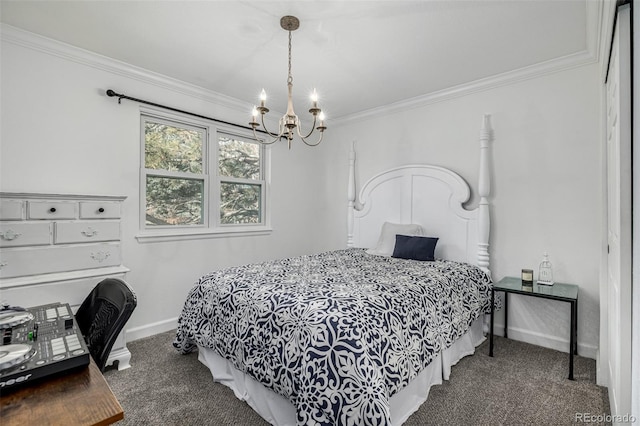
(238, 158)
(173, 201)
(240, 203)
(172, 148)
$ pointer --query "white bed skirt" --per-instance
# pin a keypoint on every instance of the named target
(277, 410)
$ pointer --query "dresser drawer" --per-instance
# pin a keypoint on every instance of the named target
(52, 210)
(25, 234)
(99, 210)
(86, 231)
(17, 262)
(72, 291)
(11, 209)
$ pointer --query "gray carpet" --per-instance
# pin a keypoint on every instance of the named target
(522, 384)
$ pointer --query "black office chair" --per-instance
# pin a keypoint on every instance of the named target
(102, 316)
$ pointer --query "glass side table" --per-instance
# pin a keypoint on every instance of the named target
(558, 291)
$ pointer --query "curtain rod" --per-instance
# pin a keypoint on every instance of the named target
(120, 97)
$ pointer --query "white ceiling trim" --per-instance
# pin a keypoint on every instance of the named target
(605, 33)
(596, 24)
(534, 71)
(66, 51)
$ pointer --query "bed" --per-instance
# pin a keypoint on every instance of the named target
(358, 335)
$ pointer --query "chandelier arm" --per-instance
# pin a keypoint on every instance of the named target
(313, 144)
(255, 135)
(313, 128)
(264, 126)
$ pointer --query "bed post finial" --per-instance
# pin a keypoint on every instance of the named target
(484, 190)
(351, 193)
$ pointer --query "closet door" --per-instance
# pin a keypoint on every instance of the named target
(635, 279)
(618, 94)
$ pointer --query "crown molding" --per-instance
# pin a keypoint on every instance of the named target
(605, 34)
(596, 18)
(68, 52)
(534, 71)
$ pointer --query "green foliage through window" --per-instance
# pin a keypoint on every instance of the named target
(240, 199)
(172, 201)
(176, 176)
(239, 203)
(173, 148)
(238, 158)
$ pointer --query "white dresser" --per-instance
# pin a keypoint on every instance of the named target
(56, 248)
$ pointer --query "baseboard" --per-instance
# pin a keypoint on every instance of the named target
(527, 336)
(147, 330)
(613, 398)
(545, 340)
(601, 378)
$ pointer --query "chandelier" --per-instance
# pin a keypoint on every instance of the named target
(289, 121)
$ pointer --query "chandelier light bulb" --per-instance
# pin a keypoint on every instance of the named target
(321, 127)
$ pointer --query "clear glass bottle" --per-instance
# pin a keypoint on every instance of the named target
(545, 273)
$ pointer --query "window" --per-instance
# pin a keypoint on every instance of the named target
(200, 179)
(239, 168)
(174, 162)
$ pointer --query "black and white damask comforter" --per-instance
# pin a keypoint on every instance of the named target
(336, 333)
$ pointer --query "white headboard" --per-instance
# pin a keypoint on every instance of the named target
(428, 195)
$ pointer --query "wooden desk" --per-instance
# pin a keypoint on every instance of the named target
(81, 397)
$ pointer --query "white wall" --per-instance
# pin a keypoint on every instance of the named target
(547, 192)
(62, 134)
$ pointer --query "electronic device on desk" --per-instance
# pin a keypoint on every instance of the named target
(39, 342)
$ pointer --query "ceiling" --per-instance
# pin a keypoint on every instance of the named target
(360, 55)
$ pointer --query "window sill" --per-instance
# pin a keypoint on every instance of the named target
(199, 234)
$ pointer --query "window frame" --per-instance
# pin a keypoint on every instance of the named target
(243, 181)
(211, 226)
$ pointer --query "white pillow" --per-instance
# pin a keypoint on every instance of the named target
(387, 240)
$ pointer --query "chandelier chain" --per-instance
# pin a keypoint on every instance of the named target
(290, 78)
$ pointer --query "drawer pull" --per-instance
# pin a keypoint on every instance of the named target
(100, 256)
(90, 232)
(3, 264)
(9, 235)
(101, 210)
(52, 210)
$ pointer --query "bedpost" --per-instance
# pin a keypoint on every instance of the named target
(351, 194)
(484, 189)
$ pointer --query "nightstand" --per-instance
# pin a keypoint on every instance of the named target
(558, 291)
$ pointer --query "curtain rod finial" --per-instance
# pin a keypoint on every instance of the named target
(111, 94)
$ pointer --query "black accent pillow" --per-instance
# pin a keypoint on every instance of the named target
(416, 248)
